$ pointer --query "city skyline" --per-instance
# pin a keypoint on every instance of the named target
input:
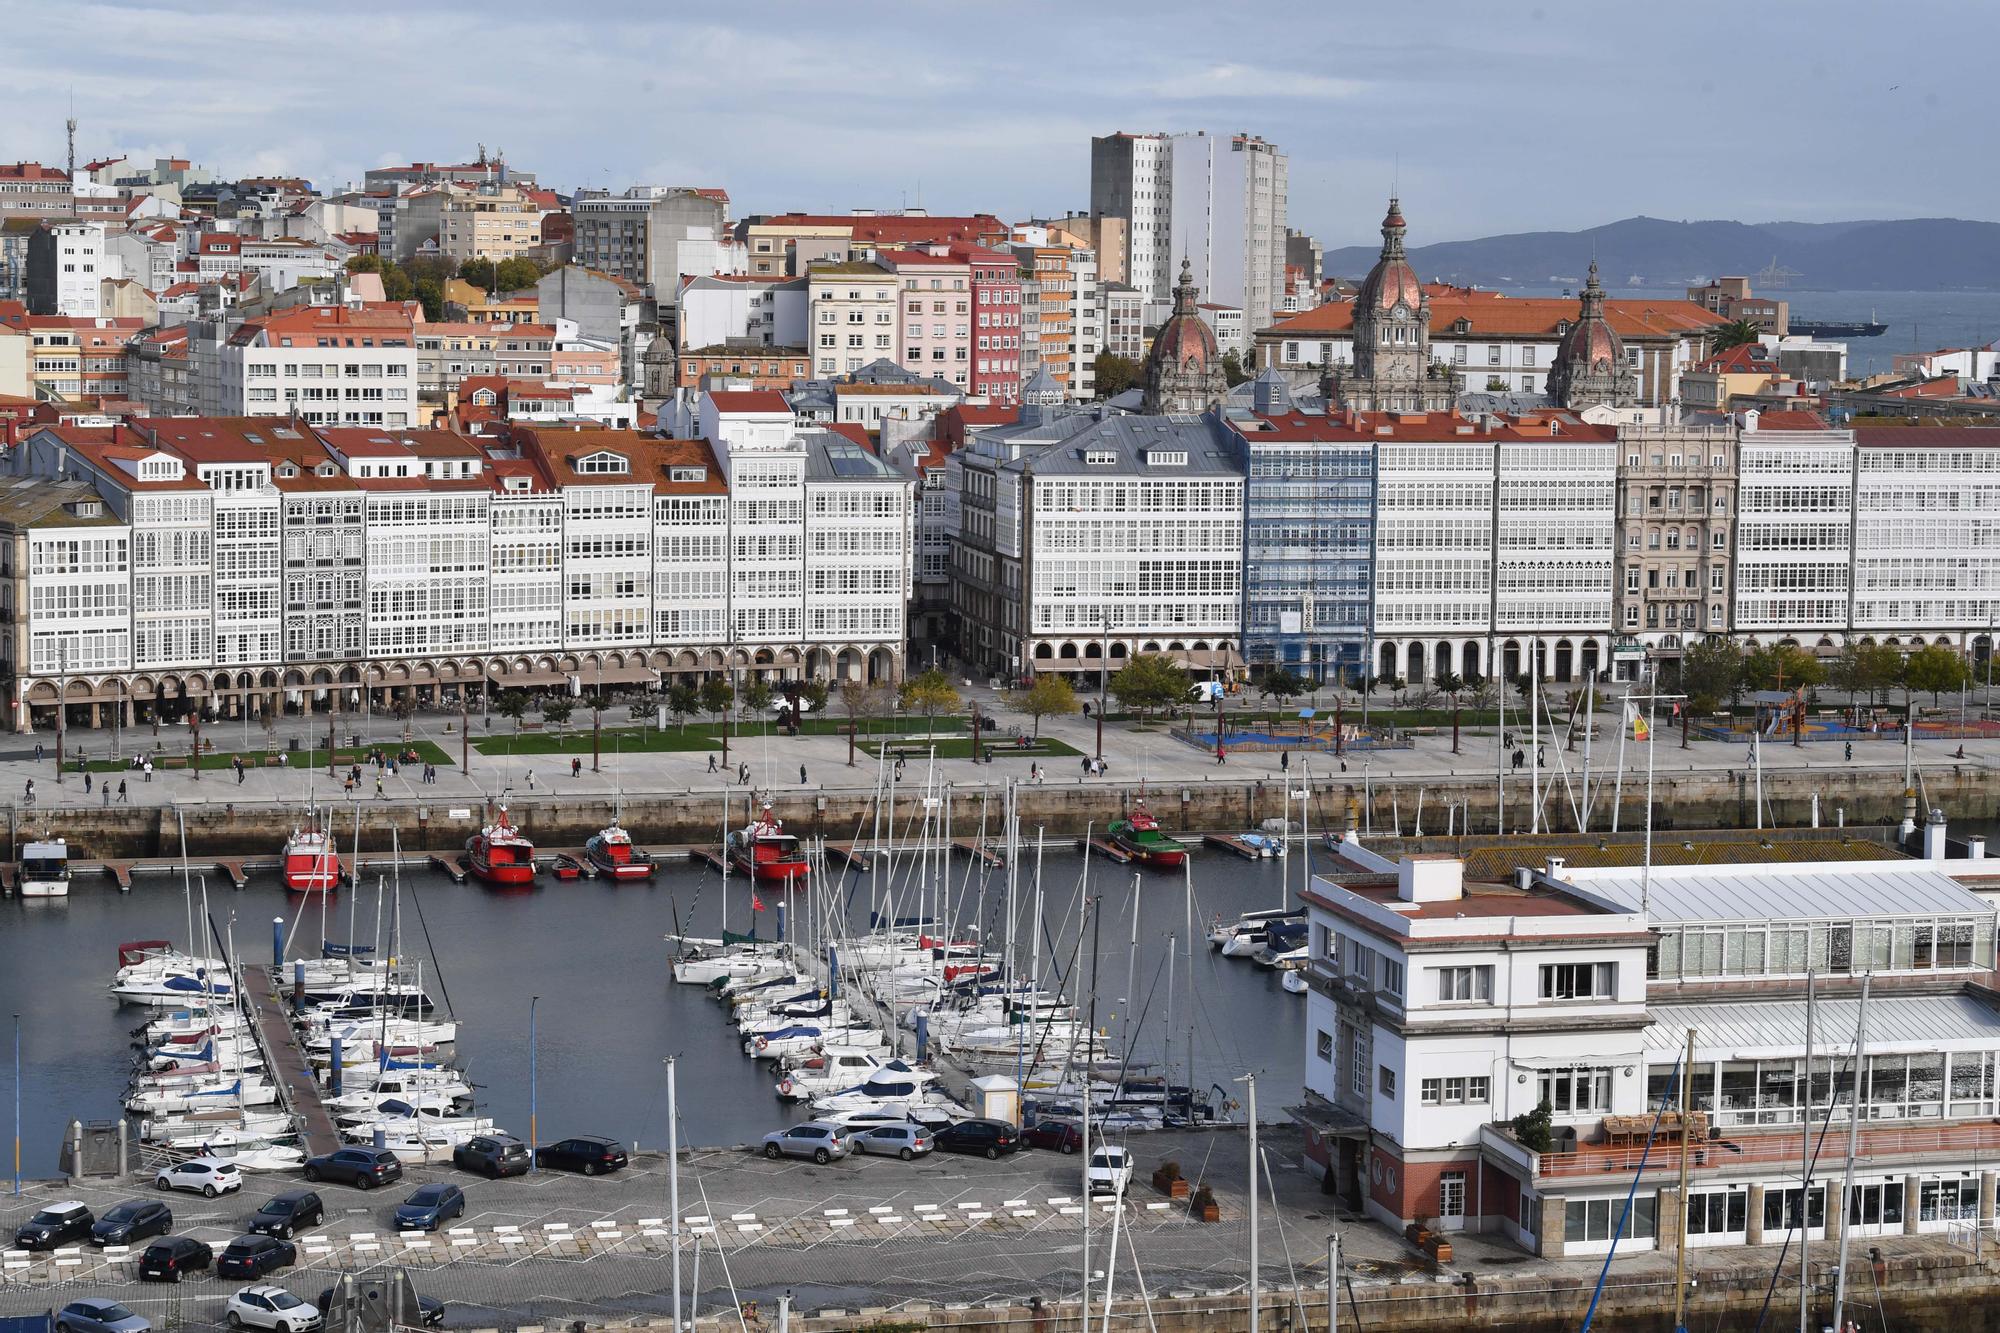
(1360, 107)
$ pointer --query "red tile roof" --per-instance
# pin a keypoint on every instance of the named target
(1790, 421)
(749, 400)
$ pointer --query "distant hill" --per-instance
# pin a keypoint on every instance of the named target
(1913, 254)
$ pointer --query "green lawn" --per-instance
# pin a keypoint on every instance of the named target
(695, 736)
(343, 757)
(962, 749)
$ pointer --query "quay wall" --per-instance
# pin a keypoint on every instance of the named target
(1931, 1290)
(219, 826)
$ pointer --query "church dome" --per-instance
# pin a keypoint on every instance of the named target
(1392, 281)
(1185, 339)
(1591, 343)
(1184, 366)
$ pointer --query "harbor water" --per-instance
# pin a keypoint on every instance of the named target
(608, 1013)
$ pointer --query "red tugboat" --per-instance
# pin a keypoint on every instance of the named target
(311, 864)
(610, 849)
(499, 854)
(1140, 838)
(764, 851)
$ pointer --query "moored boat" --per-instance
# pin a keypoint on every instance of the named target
(610, 849)
(311, 865)
(44, 869)
(1139, 837)
(500, 854)
(764, 851)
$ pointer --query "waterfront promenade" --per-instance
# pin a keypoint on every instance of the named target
(790, 766)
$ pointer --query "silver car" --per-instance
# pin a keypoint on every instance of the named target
(904, 1141)
(815, 1139)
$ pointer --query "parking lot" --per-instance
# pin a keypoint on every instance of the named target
(853, 1233)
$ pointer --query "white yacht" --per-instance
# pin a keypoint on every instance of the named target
(44, 869)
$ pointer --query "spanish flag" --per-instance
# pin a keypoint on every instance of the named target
(1640, 731)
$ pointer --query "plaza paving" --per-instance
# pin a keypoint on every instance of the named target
(774, 761)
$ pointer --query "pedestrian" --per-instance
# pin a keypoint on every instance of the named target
(1847, 752)
(1034, 773)
(802, 769)
(106, 789)
(123, 798)
(378, 786)
(284, 760)
(1085, 761)
(743, 774)
(38, 752)
(86, 776)
(576, 768)
(239, 772)
(1086, 708)
(1343, 765)
(28, 796)
(1285, 762)
(148, 770)
(899, 768)
(711, 763)
(347, 784)
(531, 779)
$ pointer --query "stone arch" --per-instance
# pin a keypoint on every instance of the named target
(1591, 659)
(1414, 671)
(882, 667)
(42, 692)
(1511, 658)
(1386, 661)
(1469, 661)
(1044, 653)
(1068, 652)
(1564, 660)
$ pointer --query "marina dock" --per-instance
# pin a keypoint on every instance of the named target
(1109, 850)
(286, 1060)
(1230, 842)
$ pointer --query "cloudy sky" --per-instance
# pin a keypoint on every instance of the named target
(1493, 118)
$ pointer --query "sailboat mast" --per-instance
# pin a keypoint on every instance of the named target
(1804, 1217)
(1680, 1249)
(1853, 1133)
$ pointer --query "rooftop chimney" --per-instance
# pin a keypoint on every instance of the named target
(1975, 848)
(1934, 837)
(1430, 877)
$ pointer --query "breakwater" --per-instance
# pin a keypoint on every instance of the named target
(1380, 807)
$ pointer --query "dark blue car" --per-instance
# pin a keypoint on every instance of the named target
(431, 1207)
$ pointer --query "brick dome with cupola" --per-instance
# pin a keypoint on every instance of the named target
(1591, 369)
(1392, 370)
(1184, 367)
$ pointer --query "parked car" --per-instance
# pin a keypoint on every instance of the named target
(496, 1155)
(1060, 1135)
(286, 1215)
(254, 1256)
(363, 1168)
(266, 1306)
(55, 1225)
(431, 1307)
(135, 1219)
(173, 1258)
(1109, 1171)
(206, 1176)
(588, 1153)
(94, 1316)
(815, 1139)
(988, 1138)
(904, 1141)
(430, 1208)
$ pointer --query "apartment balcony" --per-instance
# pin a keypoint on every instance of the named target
(1616, 1146)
